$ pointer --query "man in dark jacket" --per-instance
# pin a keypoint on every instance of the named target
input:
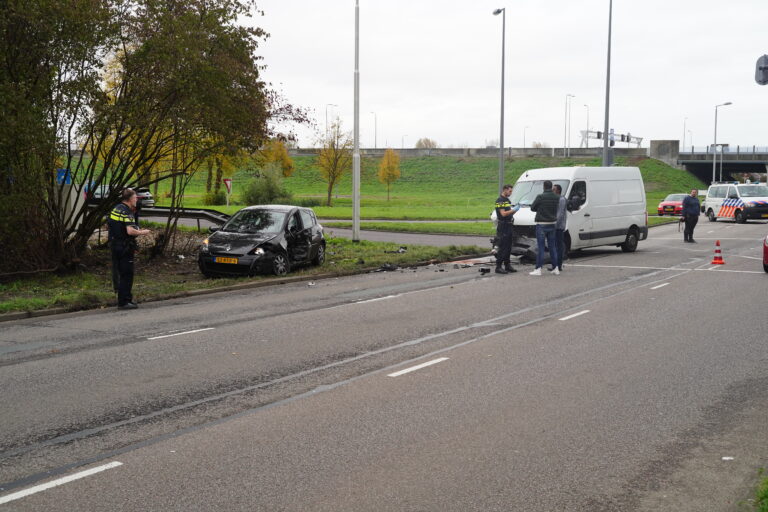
(545, 205)
(691, 212)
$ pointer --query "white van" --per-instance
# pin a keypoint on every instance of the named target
(736, 201)
(607, 207)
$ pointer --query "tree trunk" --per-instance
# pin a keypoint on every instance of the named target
(388, 185)
(330, 191)
(209, 179)
(219, 175)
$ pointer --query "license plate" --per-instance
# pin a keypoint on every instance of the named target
(225, 260)
(669, 208)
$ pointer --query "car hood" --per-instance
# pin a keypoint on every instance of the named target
(237, 243)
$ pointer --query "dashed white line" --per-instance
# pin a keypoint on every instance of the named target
(659, 286)
(418, 367)
(575, 315)
(56, 483)
(378, 299)
(179, 333)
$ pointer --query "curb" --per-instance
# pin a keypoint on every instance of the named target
(23, 315)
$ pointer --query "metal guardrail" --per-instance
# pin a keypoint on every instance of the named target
(214, 216)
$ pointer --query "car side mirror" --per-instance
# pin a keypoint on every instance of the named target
(213, 229)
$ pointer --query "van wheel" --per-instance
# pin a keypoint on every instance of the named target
(740, 217)
(320, 256)
(711, 215)
(630, 244)
(765, 267)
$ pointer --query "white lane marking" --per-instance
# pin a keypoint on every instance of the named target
(748, 257)
(56, 483)
(179, 333)
(378, 299)
(659, 286)
(418, 367)
(575, 315)
(708, 232)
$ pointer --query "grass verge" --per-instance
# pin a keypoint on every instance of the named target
(91, 286)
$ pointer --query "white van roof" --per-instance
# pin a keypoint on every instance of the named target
(572, 173)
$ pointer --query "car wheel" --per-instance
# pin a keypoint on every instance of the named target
(661, 214)
(280, 265)
(711, 215)
(765, 267)
(630, 244)
(320, 256)
(739, 217)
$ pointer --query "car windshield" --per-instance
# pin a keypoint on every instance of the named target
(675, 197)
(754, 191)
(526, 191)
(255, 221)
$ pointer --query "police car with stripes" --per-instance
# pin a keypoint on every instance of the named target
(736, 201)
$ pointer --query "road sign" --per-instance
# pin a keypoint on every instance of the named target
(228, 184)
(761, 70)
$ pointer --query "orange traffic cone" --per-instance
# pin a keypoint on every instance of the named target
(718, 259)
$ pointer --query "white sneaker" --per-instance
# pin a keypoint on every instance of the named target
(535, 272)
(556, 272)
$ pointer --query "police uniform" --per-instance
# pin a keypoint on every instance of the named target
(503, 233)
(123, 248)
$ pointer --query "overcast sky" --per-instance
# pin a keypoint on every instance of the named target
(432, 68)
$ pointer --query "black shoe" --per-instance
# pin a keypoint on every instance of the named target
(510, 270)
(692, 241)
(500, 270)
(128, 305)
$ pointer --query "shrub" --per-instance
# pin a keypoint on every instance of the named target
(267, 189)
(215, 198)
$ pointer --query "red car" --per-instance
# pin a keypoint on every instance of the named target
(765, 254)
(672, 204)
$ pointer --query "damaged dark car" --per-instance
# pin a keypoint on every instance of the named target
(268, 239)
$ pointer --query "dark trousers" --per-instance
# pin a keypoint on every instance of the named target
(690, 225)
(504, 234)
(122, 274)
(560, 242)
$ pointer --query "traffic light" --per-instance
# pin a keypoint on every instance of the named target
(599, 135)
(623, 138)
(761, 70)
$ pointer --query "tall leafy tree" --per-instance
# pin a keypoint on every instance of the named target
(389, 169)
(183, 83)
(335, 157)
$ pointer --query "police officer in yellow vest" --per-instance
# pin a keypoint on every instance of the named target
(123, 231)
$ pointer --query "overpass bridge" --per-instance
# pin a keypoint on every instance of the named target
(733, 161)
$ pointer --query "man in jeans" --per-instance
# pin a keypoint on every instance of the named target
(562, 208)
(545, 206)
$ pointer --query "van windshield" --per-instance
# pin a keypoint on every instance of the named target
(526, 191)
(754, 191)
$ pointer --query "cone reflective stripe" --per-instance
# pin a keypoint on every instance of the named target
(718, 259)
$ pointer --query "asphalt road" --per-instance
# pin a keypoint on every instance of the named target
(630, 382)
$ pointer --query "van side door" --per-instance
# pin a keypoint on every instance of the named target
(579, 224)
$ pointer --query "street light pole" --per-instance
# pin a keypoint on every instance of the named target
(503, 12)
(356, 150)
(565, 128)
(586, 134)
(524, 136)
(374, 129)
(326, 117)
(714, 146)
(402, 141)
(683, 146)
(607, 160)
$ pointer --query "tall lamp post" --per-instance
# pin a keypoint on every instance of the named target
(607, 157)
(586, 134)
(714, 146)
(402, 141)
(326, 116)
(374, 129)
(565, 130)
(524, 129)
(356, 149)
(684, 131)
(503, 12)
